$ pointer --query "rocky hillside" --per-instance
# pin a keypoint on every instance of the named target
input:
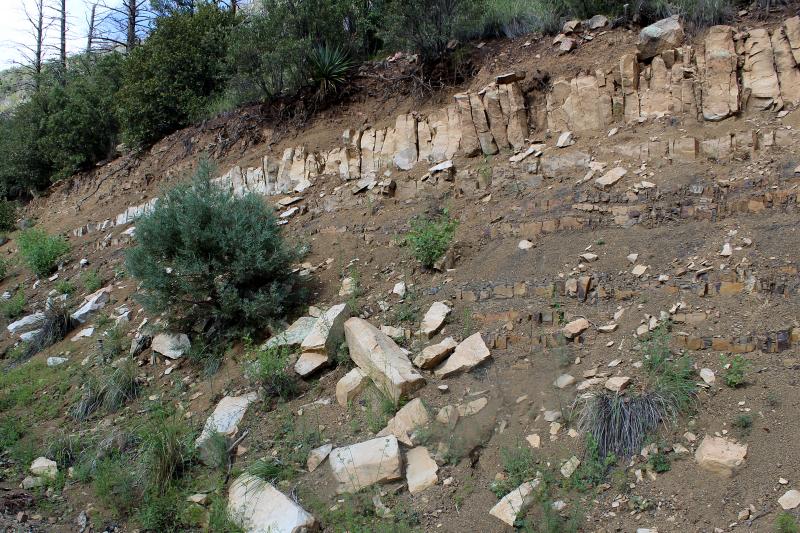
(609, 342)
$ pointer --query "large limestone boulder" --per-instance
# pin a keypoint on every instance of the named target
(381, 359)
(410, 417)
(44, 467)
(666, 34)
(421, 470)
(436, 353)
(327, 332)
(294, 335)
(515, 503)
(470, 353)
(171, 345)
(406, 142)
(261, 508)
(720, 455)
(225, 418)
(350, 386)
(93, 302)
(434, 319)
(720, 86)
(366, 463)
(26, 323)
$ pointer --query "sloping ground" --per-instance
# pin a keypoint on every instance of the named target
(707, 138)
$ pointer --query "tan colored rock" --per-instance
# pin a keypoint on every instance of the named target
(317, 456)
(515, 503)
(470, 146)
(406, 154)
(485, 137)
(435, 354)
(327, 333)
(786, 67)
(421, 470)
(791, 27)
(666, 34)
(472, 407)
(512, 102)
(351, 385)
(310, 362)
(758, 73)
(617, 383)
(366, 463)
(534, 440)
(471, 352)
(381, 359)
(411, 416)
(790, 500)
(497, 121)
(448, 416)
(44, 467)
(575, 328)
(563, 381)
(261, 508)
(569, 466)
(224, 420)
(610, 178)
(587, 108)
(434, 319)
(720, 456)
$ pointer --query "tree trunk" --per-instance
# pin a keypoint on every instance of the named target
(63, 54)
(131, 33)
(91, 29)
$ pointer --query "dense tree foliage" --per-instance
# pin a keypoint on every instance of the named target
(201, 58)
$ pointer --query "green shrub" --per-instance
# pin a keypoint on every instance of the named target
(64, 287)
(57, 323)
(167, 448)
(171, 76)
(429, 239)
(92, 281)
(8, 215)
(4, 265)
(205, 256)
(513, 18)
(519, 466)
(734, 375)
(14, 306)
(41, 251)
(659, 462)
(269, 367)
(744, 423)
(219, 519)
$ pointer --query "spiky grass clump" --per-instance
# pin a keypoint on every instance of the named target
(165, 450)
(621, 423)
(328, 69)
(111, 391)
(66, 449)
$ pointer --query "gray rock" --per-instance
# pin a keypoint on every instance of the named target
(26, 323)
(261, 508)
(171, 345)
(666, 34)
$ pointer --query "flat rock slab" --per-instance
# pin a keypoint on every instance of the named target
(515, 503)
(171, 345)
(310, 362)
(436, 353)
(317, 456)
(434, 319)
(26, 323)
(93, 302)
(261, 508)
(366, 463)
(411, 416)
(607, 180)
(226, 416)
(720, 455)
(381, 359)
(44, 467)
(575, 328)
(470, 353)
(294, 335)
(327, 332)
(421, 470)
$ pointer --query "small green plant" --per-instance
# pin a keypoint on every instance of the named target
(111, 391)
(772, 400)
(356, 291)
(14, 306)
(65, 287)
(41, 251)
(115, 485)
(4, 267)
(786, 523)
(430, 238)
(467, 323)
(519, 466)
(66, 449)
(111, 345)
(407, 311)
(735, 370)
(594, 467)
(92, 281)
(8, 215)
(328, 68)
(219, 518)
(659, 462)
(167, 448)
(744, 424)
(272, 470)
(269, 367)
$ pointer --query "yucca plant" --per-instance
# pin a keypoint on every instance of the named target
(328, 69)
